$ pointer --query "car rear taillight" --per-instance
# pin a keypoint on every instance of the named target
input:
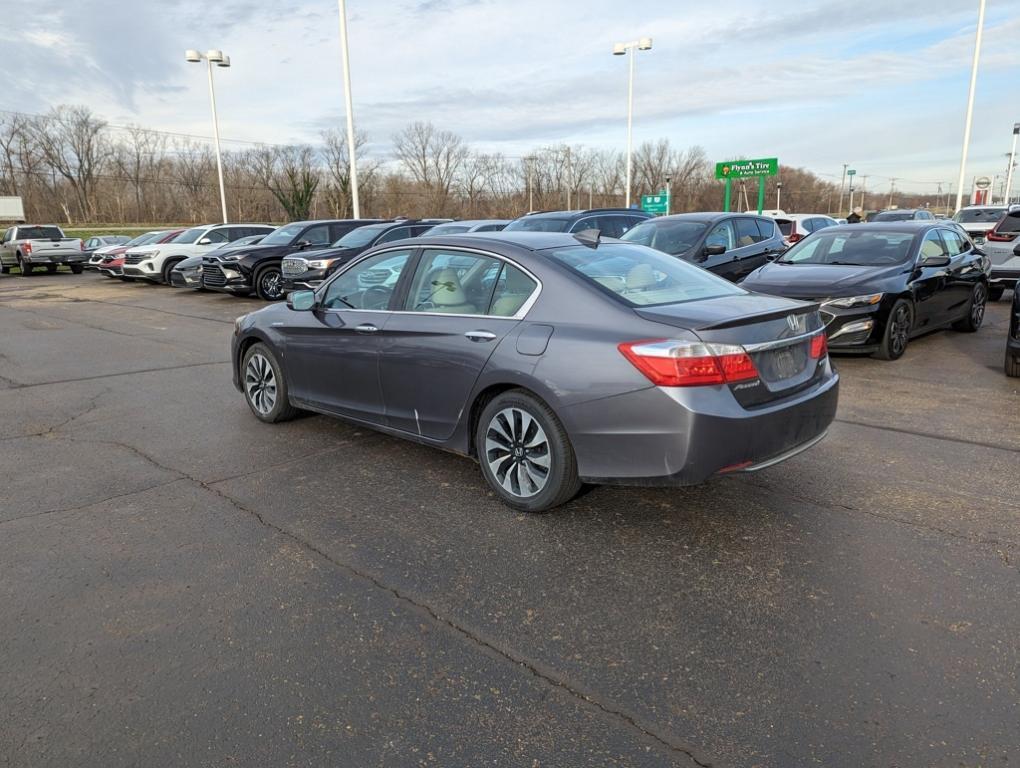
(674, 363)
(793, 237)
(998, 237)
(819, 346)
(26, 247)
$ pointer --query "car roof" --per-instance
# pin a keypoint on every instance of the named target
(581, 212)
(801, 216)
(707, 216)
(532, 241)
(889, 226)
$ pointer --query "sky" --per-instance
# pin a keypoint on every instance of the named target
(881, 86)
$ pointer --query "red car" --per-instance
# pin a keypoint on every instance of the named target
(112, 265)
(102, 261)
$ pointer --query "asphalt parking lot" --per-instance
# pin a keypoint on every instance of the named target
(183, 585)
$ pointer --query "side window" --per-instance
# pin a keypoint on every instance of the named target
(766, 229)
(932, 246)
(453, 283)
(747, 232)
(722, 234)
(7, 235)
(513, 289)
(397, 233)
(420, 230)
(589, 222)
(369, 284)
(336, 231)
(611, 226)
(317, 235)
(215, 235)
(954, 243)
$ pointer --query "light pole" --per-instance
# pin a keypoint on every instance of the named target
(970, 103)
(220, 60)
(1012, 160)
(779, 195)
(349, 102)
(620, 49)
(842, 181)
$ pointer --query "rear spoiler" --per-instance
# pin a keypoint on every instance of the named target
(805, 309)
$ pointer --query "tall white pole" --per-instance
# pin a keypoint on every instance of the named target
(630, 119)
(1012, 159)
(216, 139)
(970, 103)
(842, 183)
(349, 101)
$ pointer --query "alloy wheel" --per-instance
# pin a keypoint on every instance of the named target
(272, 284)
(260, 384)
(899, 334)
(517, 452)
(977, 306)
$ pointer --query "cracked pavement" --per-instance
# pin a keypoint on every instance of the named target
(183, 585)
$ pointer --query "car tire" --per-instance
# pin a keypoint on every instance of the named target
(896, 334)
(4, 269)
(51, 268)
(975, 311)
(995, 292)
(264, 385)
(77, 269)
(516, 435)
(167, 269)
(26, 268)
(1012, 365)
(269, 284)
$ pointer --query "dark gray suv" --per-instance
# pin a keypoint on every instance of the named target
(732, 245)
(610, 222)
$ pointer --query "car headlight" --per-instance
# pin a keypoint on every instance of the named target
(319, 263)
(856, 301)
(150, 254)
(233, 256)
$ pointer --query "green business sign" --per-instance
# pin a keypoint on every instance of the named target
(742, 169)
(657, 204)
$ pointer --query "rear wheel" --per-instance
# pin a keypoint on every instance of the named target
(265, 387)
(897, 331)
(26, 268)
(975, 312)
(1012, 365)
(269, 284)
(995, 292)
(525, 454)
(77, 269)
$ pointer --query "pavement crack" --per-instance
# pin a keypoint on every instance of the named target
(930, 435)
(95, 503)
(100, 376)
(535, 669)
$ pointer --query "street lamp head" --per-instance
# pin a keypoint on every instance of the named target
(645, 44)
(225, 63)
(1016, 128)
(619, 49)
(214, 56)
(192, 55)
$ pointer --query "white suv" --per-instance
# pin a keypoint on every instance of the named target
(155, 262)
(797, 226)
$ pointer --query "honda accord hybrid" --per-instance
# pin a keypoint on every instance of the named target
(552, 359)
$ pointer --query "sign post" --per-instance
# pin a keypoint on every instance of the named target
(742, 169)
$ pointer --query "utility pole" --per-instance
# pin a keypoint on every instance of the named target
(842, 181)
(1012, 162)
(779, 195)
(669, 194)
(531, 187)
(349, 105)
(570, 177)
(938, 196)
(970, 102)
(864, 189)
(892, 189)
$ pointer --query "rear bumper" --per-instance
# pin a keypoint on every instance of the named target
(684, 436)
(56, 258)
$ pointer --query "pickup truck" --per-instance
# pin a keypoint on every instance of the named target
(31, 245)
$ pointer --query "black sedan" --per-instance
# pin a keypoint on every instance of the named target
(553, 359)
(188, 273)
(1012, 363)
(881, 285)
(256, 268)
(730, 244)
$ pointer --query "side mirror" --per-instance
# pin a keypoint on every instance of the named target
(715, 250)
(301, 301)
(934, 261)
(204, 241)
(302, 244)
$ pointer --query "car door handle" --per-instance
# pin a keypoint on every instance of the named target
(366, 328)
(480, 335)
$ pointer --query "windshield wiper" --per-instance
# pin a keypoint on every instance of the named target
(848, 264)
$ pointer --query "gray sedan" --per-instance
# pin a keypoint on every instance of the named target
(552, 359)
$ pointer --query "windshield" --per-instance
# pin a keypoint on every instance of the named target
(861, 248)
(145, 239)
(640, 276)
(677, 236)
(979, 215)
(449, 229)
(39, 233)
(283, 235)
(893, 216)
(538, 224)
(360, 236)
(189, 235)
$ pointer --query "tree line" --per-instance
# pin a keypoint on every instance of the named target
(70, 166)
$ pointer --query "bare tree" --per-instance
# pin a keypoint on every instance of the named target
(433, 158)
(138, 159)
(74, 144)
(293, 179)
(337, 189)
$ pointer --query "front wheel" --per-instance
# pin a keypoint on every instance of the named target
(265, 387)
(975, 312)
(897, 331)
(525, 454)
(269, 284)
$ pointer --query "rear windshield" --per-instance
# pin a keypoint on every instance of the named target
(676, 236)
(863, 248)
(361, 236)
(449, 229)
(1009, 223)
(785, 226)
(39, 233)
(640, 276)
(538, 224)
(979, 215)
